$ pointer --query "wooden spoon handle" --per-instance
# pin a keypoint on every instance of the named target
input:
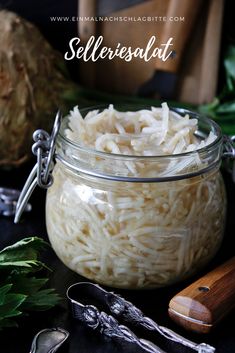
(200, 306)
(86, 8)
(179, 30)
(86, 29)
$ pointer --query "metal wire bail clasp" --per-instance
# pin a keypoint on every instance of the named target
(229, 154)
(44, 149)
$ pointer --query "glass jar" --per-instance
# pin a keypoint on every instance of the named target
(129, 230)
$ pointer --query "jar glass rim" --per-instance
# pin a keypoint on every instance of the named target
(201, 118)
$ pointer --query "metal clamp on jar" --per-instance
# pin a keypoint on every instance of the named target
(131, 230)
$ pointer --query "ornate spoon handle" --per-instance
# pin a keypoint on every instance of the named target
(120, 308)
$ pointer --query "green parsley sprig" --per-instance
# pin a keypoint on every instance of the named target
(222, 108)
(21, 288)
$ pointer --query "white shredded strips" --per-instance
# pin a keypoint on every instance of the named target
(136, 235)
(158, 130)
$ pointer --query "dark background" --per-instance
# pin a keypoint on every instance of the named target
(59, 33)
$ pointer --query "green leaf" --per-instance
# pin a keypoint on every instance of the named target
(229, 62)
(222, 108)
(3, 291)
(22, 256)
(8, 323)
(41, 300)
(20, 289)
(26, 249)
(228, 107)
(27, 263)
(10, 305)
(27, 285)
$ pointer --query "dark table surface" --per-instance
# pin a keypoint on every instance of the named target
(153, 303)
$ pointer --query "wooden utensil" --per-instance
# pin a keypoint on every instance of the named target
(205, 302)
(105, 7)
(86, 29)
(165, 75)
(197, 83)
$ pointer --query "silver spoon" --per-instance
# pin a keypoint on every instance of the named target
(48, 340)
